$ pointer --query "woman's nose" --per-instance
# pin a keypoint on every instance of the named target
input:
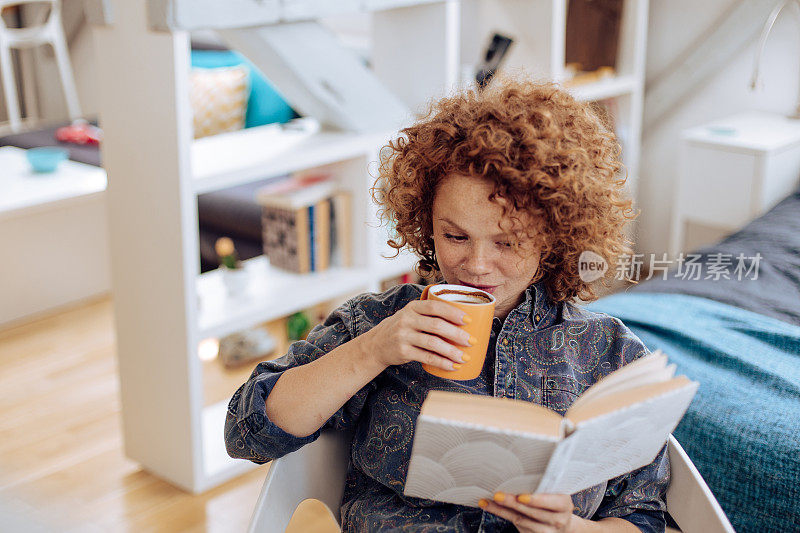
(479, 262)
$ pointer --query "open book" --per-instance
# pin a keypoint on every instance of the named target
(468, 447)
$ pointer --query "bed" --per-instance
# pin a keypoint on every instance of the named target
(741, 340)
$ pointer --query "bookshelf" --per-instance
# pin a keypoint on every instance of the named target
(273, 293)
(164, 308)
(230, 159)
(450, 35)
(539, 30)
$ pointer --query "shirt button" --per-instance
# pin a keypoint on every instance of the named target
(536, 318)
(505, 341)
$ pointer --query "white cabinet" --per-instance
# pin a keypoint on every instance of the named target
(163, 307)
(732, 171)
(54, 235)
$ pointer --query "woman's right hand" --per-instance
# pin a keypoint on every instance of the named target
(417, 332)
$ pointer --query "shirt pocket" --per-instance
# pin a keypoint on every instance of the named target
(559, 392)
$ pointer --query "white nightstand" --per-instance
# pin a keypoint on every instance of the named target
(732, 171)
(53, 234)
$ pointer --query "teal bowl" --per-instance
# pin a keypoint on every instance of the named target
(46, 158)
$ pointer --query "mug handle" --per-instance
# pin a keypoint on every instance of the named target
(425, 293)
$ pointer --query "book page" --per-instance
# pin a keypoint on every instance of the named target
(651, 377)
(608, 446)
(461, 463)
(499, 413)
(644, 368)
(559, 461)
(619, 400)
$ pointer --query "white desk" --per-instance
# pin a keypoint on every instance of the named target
(53, 236)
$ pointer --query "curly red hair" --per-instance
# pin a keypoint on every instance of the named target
(547, 155)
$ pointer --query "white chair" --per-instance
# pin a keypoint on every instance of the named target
(689, 500)
(317, 471)
(50, 32)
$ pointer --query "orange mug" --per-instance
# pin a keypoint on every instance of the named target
(479, 305)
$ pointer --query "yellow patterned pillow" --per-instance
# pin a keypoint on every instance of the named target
(219, 99)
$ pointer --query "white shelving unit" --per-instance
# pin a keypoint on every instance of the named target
(538, 28)
(238, 157)
(274, 293)
(451, 33)
(163, 306)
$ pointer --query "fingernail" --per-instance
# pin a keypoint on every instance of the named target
(499, 497)
(465, 357)
(524, 498)
(456, 366)
(482, 503)
(466, 319)
(473, 341)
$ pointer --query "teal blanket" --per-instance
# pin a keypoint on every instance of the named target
(742, 430)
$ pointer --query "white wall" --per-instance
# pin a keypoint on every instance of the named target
(674, 24)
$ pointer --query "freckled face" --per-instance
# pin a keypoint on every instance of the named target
(472, 248)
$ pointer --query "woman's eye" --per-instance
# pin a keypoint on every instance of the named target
(505, 244)
(457, 238)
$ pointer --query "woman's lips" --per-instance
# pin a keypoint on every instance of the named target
(488, 288)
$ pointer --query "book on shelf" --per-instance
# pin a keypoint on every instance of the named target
(467, 447)
(296, 193)
(286, 241)
(341, 230)
(320, 234)
(299, 227)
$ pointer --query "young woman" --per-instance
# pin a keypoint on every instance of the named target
(501, 190)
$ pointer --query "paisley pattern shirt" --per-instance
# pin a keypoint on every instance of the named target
(543, 352)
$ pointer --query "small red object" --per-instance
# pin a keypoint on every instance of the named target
(79, 132)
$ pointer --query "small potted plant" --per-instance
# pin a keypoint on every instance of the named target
(233, 273)
(297, 326)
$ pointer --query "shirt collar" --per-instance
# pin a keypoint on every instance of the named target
(538, 306)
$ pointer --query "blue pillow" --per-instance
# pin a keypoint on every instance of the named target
(265, 104)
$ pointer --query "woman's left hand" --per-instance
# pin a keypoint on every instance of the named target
(536, 513)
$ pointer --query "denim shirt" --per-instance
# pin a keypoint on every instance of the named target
(543, 352)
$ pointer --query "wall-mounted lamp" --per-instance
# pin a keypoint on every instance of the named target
(763, 40)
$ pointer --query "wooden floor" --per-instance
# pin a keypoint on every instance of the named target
(61, 461)
(62, 466)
